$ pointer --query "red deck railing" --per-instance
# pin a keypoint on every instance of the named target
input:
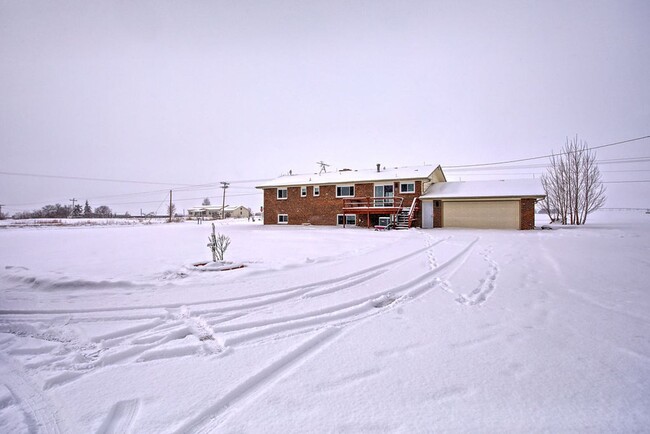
(376, 203)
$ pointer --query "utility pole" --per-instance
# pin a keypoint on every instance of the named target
(73, 200)
(170, 206)
(224, 185)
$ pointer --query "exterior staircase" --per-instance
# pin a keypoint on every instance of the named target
(402, 221)
(404, 217)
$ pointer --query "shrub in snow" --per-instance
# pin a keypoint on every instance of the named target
(218, 244)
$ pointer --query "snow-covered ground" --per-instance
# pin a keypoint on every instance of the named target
(112, 329)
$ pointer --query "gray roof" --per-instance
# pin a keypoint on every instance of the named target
(351, 176)
(485, 189)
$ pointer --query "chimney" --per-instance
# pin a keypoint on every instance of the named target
(378, 166)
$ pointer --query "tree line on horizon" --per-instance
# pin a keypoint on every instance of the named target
(64, 211)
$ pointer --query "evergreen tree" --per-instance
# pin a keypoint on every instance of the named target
(87, 209)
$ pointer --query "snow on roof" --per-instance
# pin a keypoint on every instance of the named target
(501, 188)
(348, 176)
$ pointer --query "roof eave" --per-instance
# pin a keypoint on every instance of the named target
(422, 178)
(517, 196)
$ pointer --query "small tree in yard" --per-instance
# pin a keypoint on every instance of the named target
(218, 244)
(573, 184)
(206, 201)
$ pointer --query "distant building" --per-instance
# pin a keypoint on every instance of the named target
(238, 212)
(213, 212)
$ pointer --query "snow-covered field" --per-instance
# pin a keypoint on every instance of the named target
(111, 329)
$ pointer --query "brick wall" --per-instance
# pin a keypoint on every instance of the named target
(437, 213)
(527, 214)
(323, 209)
(319, 210)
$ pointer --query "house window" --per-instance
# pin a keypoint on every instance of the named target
(303, 191)
(345, 191)
(283, 219)
(407, 187)
(383, 191)
(282, 193)
(316, 190)
(350, 219)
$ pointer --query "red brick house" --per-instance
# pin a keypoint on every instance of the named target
(404, 196)
(349, 197)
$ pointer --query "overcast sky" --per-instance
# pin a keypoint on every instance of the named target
(197, 92)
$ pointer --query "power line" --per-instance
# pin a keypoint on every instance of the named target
(548, 156)
(179, 200)
(629, 160)
(625, 182)
(81, 178)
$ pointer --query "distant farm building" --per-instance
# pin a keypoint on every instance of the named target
(213, 212)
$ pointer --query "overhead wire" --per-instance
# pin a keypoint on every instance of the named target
(519, 160)
(455, 169)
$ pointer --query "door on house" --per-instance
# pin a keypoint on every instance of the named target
(427, 214)
(384, 191)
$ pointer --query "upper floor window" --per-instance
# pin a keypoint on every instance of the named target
(303, 191)
(345, 191)
(407, 187)
(282, 193)
(316, 190)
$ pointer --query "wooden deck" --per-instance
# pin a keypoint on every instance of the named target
(372, 206)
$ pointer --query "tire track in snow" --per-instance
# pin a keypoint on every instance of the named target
(299, 290)
(211, 417)
(39, 411)
(147, 346)
(332, 318)
(120, 418)
(346, 312)
(146, 342)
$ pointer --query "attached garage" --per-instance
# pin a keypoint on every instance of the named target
(482, 204)
(495, 214)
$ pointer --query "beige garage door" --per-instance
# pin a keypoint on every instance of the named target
(497, 214)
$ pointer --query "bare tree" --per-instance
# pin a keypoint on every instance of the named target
(103, 211)
(573, 184)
